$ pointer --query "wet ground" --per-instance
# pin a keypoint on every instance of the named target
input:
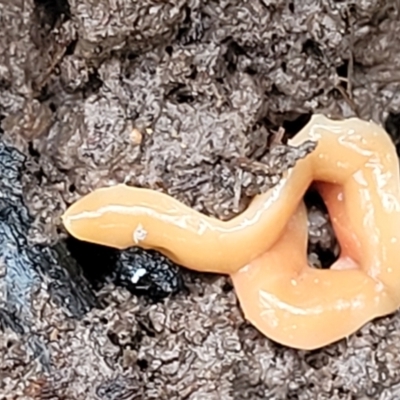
(196, 99)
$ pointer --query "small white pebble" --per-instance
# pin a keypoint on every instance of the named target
(136, 136)
(137, 275)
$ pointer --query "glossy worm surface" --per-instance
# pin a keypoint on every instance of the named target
(264, 248)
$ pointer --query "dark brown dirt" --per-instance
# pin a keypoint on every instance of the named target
(188, 97)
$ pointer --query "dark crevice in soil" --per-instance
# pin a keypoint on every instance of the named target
(342, 72)
(311, 48)
(392, 126)
(289, 124)
(294, 126)
(71, 47)
(47, 15)
(49, 12)
(93, 84)
(322, 240)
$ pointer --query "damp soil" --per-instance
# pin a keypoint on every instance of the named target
(196, 99)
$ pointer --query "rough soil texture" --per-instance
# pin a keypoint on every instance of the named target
(188, 97)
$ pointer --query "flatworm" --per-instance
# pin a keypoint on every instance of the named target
(264, 249)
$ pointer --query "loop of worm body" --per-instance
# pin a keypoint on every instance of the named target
(264, 249)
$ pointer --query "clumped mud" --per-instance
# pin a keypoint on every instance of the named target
(197, 99)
